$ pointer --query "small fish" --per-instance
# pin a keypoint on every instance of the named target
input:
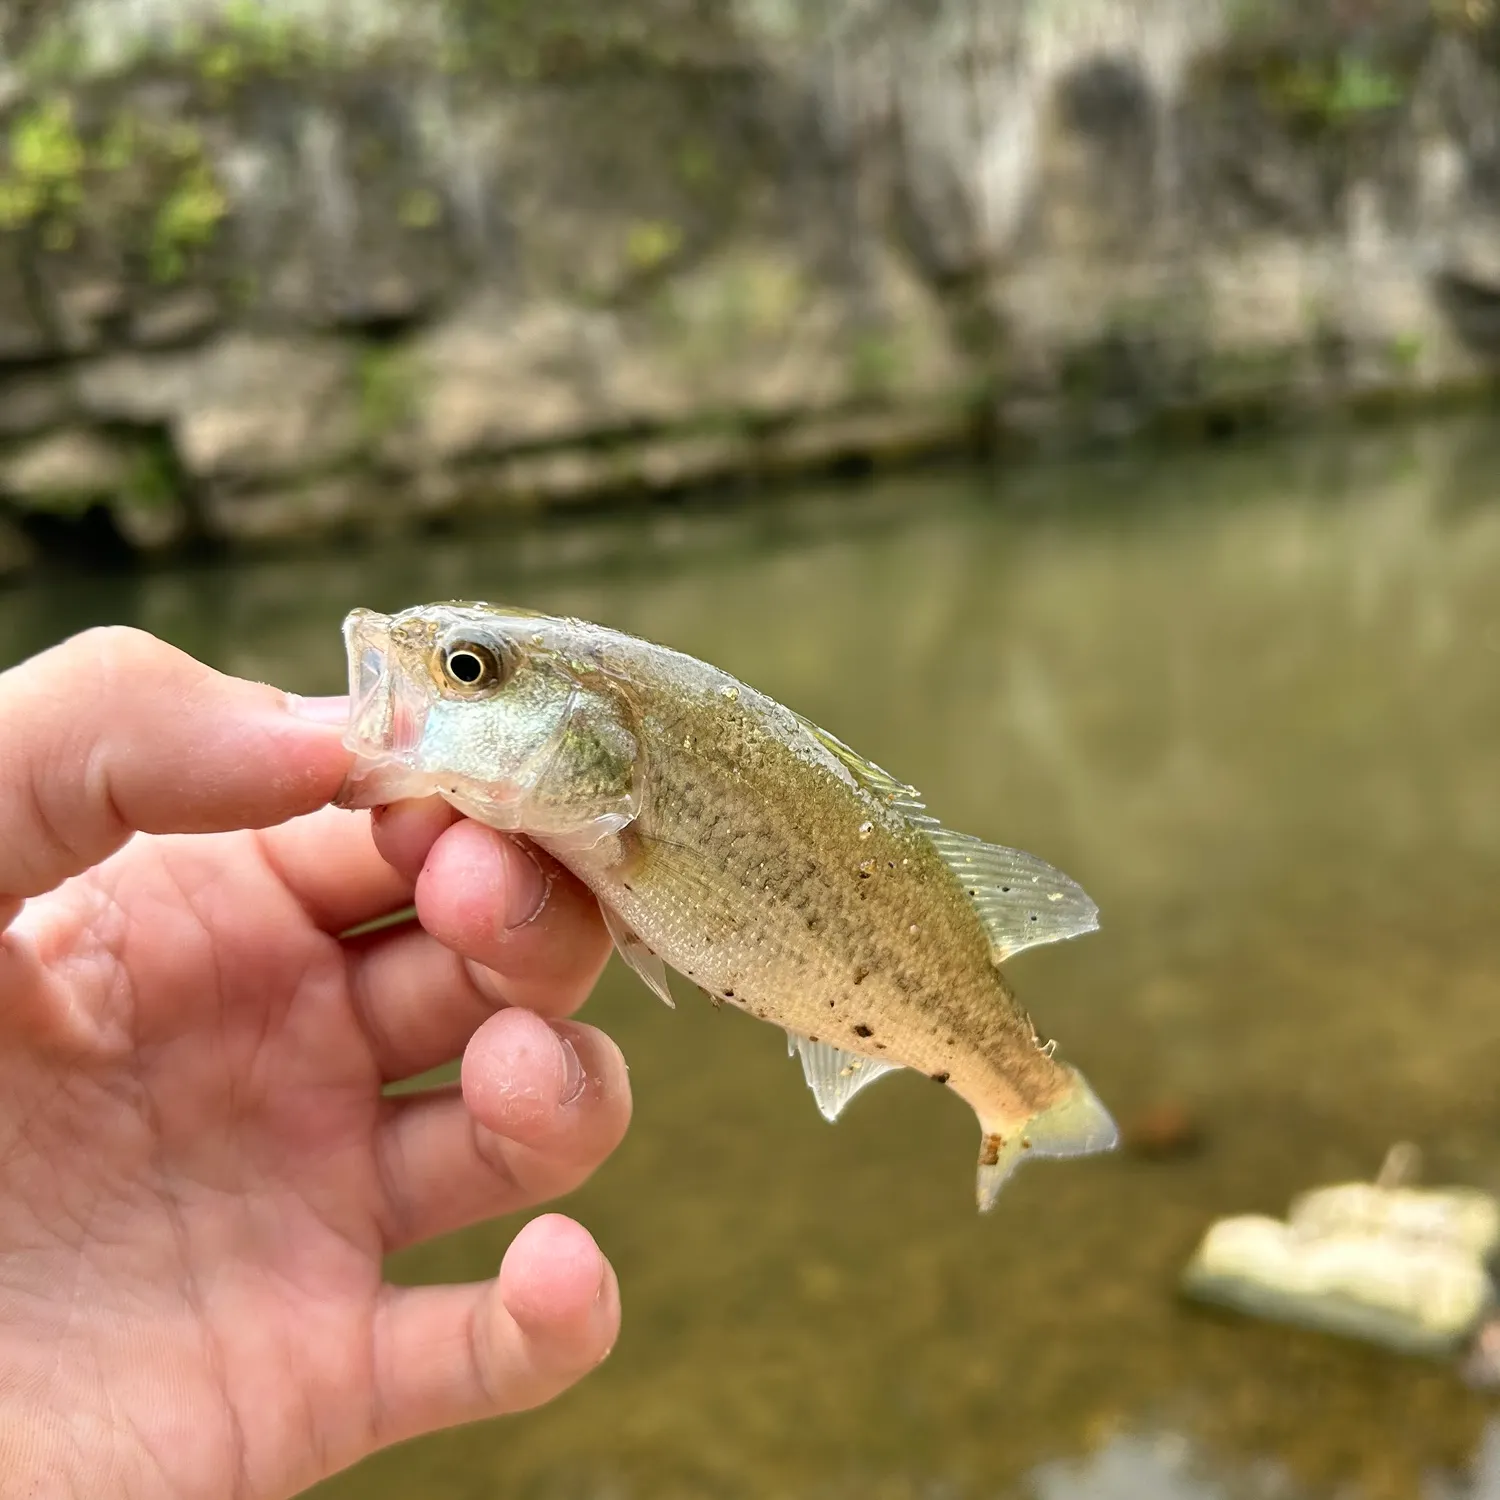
(728, 837)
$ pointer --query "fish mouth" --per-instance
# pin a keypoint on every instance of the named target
(385, 719)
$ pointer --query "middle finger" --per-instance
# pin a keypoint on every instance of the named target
(502, 929)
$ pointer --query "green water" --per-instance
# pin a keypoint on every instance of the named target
(1252, 700)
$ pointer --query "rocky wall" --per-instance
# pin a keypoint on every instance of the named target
(292, 267)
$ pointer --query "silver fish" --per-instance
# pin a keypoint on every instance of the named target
(750, 850)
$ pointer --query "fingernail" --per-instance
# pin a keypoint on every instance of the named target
(319, 710)
(574, 1077)
(526, 892)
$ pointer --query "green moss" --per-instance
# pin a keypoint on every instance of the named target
(1406, 350)
(1337, 92)
(421, 208)
(54, 179)
(696, 165)
(387, 383)
(150, 481)
(46, 159)
(874, 363)
(651, 243)
(187, 221)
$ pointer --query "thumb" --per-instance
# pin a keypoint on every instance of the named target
(115, 732)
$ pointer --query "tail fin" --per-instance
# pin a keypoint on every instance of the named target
(1077, 1125)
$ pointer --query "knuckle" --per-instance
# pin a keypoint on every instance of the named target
(115, 645)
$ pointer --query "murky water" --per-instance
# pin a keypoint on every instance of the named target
(1252, 701)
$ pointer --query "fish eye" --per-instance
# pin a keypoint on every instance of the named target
(471, 666)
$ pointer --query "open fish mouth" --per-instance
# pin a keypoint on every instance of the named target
(386, 720)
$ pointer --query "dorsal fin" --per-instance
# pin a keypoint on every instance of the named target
(906, 799)
(1022, 900)
(833, 1075)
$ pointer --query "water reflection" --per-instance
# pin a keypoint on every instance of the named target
(1250, 700)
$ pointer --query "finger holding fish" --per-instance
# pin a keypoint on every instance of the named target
(501, 927)
(530, 931)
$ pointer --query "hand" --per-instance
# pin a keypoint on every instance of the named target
(199, 1174)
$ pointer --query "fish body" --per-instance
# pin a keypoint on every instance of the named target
(732, 840)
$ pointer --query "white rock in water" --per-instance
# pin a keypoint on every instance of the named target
(1414, 1295)
(1465, 1218)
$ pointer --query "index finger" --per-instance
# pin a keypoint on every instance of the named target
(115, 732)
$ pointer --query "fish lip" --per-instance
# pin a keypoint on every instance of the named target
(367, 639)
(384, 729)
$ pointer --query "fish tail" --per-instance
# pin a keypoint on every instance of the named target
(1076, 1125)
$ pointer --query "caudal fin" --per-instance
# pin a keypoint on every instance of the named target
(1077, 1125)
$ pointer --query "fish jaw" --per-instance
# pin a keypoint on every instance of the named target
(384, 724)
(1076, 1124)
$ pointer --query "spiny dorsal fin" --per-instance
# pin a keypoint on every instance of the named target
(1022, 901)
(835, 1076)
(906, 799)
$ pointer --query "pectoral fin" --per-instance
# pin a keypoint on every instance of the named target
(635, 953)
(835, 1076)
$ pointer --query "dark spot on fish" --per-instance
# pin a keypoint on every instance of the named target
(863, 1030)
(831, 1003)
(864, 874)
(1005, 890)
(989, 1152)
(627, 885)
(1026, 1143)
(729, 994)
(1033, 917)
(972, 891)
(860, 975)
(880, 1046)
(939, 1078)
(890, 864)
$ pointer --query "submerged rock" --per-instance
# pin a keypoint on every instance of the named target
(1398, 1266)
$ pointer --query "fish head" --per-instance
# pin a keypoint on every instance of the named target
(505, 714)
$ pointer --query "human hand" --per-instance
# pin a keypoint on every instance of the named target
(199, 1174)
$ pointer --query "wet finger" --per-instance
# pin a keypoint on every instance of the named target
(445, 1355)
(516, 913)
(542, 1104)
(406, 831)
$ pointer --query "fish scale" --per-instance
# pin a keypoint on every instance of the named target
(741, 845)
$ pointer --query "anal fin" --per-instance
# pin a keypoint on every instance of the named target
(833, 1075)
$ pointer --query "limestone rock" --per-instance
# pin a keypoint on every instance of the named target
(247, 407)
(65, 469)
(31, 403)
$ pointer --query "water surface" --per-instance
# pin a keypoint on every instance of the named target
(1252, 701)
